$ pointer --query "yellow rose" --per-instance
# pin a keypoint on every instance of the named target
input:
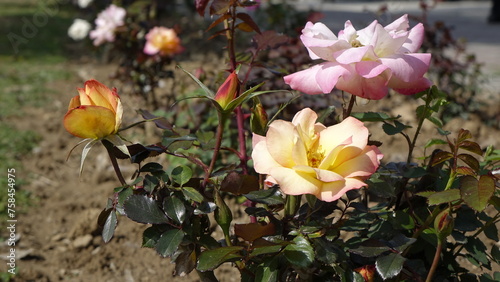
(305, 157)
(95, 113)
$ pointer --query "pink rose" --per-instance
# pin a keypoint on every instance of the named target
(162, 40)
(366, 62)
(305, 157)
(106, 23)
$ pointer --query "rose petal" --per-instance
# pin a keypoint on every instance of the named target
(296, 182)
(279, 141)
(90, 122)
(305, 80)
(408, 67)
(362, 165)
(334, 190)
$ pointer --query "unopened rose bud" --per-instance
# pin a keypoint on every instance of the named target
(258, 119)
(443, 224)
(222, 214)
(228, 90)
(367, 271)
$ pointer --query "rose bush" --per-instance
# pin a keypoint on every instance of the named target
(306, 157)
(364, 62)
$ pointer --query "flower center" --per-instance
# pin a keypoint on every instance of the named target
(314, 157)
(355, 43)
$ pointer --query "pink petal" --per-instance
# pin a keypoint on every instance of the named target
(409, 88)
(370, 69)
(351, 55)
(305, 81)
(401, 24)
(369, 88)
(328, 76)
(414, 40)
(334, 190)
(408, 67)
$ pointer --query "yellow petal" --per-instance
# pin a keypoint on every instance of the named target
(279, 140)
(90, 122)
(74, 103)
(100, 95)
(296, 182)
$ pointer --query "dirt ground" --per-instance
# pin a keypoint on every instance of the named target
(59, 240)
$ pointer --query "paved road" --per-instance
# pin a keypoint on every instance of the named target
(467, 18)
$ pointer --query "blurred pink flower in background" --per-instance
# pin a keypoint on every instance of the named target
(163, 41)
(106, 23)
(364, 62)
(305, 157)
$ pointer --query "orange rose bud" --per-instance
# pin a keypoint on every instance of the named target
(95, 113)
(367, 271)
(228, 90)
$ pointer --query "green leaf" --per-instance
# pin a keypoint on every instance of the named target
(169, 242)
(211, 259)
(373, 116)
(394, 129)
(192, 194)
(150, 237)
(108, 221)
(477, 249)
(470, 161)
(440, 157)
(435, 142)
(370, 251)
(262, 250)
(444, 197)
(143, 209)
(269, 197)
(301, 253)
(476, 194)
(151, 167)
(181, 174)
(207, 91)
(175, 209)
(390, 265)
(495, 253)
(436, 121)
(150, 183)
(471, 147)
(268, 271)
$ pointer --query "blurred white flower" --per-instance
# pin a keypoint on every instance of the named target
(106, 23)
(84, 3)
(79, 29)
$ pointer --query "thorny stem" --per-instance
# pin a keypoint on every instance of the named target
(347, 112)
(419, 127)
(435, 262)
(240, 118)
(114, 162)
(426, 224)
(218, 142)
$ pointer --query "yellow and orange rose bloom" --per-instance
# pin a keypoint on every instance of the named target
(96, 113)
(306, 157)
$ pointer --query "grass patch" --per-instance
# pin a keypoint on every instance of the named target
(29, 66)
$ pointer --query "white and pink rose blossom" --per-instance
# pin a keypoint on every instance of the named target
(106, 23)
(306, 157)
(163, 41)
(365, 62)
